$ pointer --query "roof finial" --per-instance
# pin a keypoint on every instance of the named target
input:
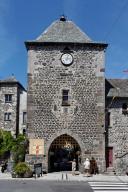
(63, 18)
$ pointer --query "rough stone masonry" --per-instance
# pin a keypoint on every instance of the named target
(83, 119)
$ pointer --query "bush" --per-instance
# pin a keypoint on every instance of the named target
(23, 170)
(16, 147)
(6, 142)
(19, 148)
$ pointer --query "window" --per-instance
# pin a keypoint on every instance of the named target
(24, 117)
(108, 119)
(124, 109)
(7, 116)
(55, 108)
(24, 131)
(8, 98)
(65, 98)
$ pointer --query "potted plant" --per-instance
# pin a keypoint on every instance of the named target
(23, 170)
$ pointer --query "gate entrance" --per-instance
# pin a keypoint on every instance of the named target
(62, 152)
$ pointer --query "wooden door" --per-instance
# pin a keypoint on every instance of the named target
(109, 157)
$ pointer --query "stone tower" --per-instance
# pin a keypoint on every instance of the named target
(66, 97)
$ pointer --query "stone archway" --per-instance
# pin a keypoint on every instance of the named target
(61, 153)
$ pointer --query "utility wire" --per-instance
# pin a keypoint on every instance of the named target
(116, 20)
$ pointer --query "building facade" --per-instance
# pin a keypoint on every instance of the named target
(72, 111)
(23, 112)
(11, 92)
(116, 114)
(66, 95)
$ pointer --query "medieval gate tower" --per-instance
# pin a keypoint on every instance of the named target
(66, 97)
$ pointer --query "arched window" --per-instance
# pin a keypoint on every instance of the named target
(124, 108)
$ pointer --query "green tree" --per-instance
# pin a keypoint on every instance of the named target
(14, 146)
(19, 148)
(6, 142)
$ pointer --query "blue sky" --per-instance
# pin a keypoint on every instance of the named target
(103, 21)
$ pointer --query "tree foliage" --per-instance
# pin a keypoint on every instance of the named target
(19, 148)
(14, 146)
(6, 142)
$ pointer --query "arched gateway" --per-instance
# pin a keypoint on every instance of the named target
(62, 152)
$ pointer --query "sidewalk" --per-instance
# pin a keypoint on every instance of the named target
(67, 176)
(5, 176)
(99, 178)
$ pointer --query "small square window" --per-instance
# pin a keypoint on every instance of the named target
(8, 98)
(7, 116)
(65, 110)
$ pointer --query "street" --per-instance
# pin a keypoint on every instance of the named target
(43, 186)
(61, 186)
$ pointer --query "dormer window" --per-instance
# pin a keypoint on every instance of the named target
(125, 109)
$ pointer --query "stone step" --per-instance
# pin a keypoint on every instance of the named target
(110, 171)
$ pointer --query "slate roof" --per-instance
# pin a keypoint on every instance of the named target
(11, 80)
(118, 88)
(63, 31)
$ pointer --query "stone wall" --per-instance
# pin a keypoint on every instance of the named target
(22, 109)
(118, 134)
(84, 118)
(8, 107)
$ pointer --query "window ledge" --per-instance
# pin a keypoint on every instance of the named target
(65, 104)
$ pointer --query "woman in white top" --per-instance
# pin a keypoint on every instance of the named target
(87, 166)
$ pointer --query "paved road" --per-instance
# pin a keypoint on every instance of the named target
(43, 186)
(61, 186)
(109, 186)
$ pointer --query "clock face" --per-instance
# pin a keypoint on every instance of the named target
(66, 59)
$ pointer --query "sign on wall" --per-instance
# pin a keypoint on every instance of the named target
(36, 146)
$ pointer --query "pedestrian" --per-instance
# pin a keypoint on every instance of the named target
(73, 166)
(4, 167)
(87, 167)
(93, 166)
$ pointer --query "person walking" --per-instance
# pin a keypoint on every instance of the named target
(87, 167)
(93, 166)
